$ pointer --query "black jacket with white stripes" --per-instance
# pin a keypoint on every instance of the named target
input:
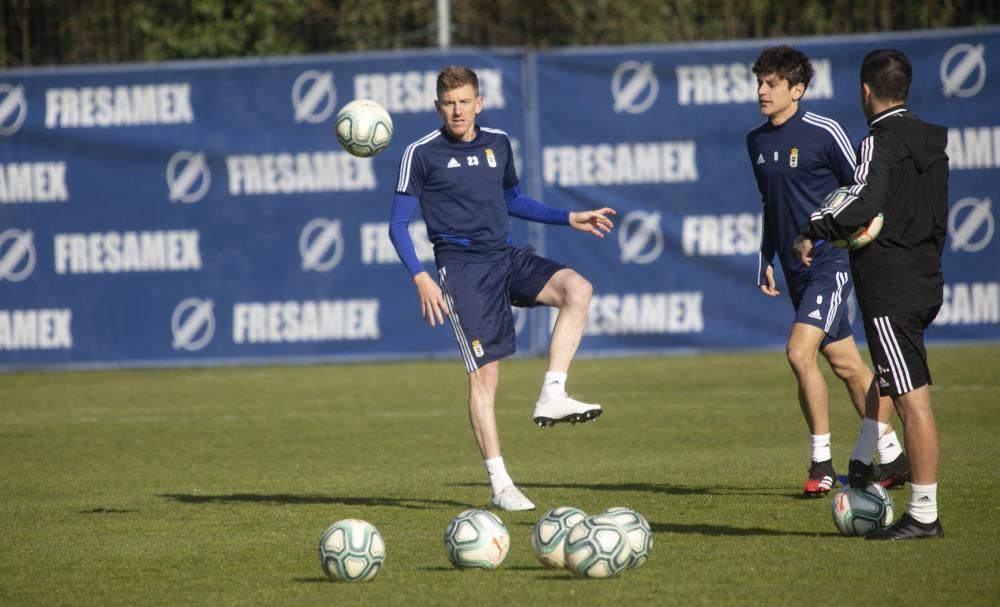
(902, 172)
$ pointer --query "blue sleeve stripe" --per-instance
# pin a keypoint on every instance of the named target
(407, 162)
(837, 131)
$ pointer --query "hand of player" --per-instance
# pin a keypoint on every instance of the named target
(596, 222)
(432, 306)
(769, 288)
(804, 249)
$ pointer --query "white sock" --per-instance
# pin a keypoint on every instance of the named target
(821, 447)
(888, 447)
(923, 502)
(498, 474)
(553, 385)
(870, 431)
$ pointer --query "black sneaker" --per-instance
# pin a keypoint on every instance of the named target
(908, 528)
(860, 474)
(894, 474)
(821, 479)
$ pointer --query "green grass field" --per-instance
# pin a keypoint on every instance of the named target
(213, 486)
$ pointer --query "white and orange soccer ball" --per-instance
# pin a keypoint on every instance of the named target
(476, 539)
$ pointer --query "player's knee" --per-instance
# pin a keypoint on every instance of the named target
(578, 292)
(800, 358)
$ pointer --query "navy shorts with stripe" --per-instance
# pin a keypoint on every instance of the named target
(896, 343)
(822, 300)
(479, 291)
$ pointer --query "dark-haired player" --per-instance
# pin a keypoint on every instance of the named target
(798, 158)
(903, 174)
(462, 177)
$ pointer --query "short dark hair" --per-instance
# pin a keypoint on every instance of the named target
(888, 74)
(787, 62)
(456, 76)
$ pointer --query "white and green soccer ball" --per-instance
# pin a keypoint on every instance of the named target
(860, 511)
(548, 539)
(476, 539)
(864, 235)
(640, 535)
(363, 127)
(597, 547)
(351, 550)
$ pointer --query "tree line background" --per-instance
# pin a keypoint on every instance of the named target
(55, 32)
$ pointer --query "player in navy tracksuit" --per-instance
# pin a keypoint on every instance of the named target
(463, 178)
(798, 158)
(903, 174)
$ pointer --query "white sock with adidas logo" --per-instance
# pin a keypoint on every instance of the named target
(821, 447)
(888, 448)
(498, 474)
(923, 502)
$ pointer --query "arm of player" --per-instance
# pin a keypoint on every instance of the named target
(765, 269)
(432, 305)
(524, 207)
(867, 199)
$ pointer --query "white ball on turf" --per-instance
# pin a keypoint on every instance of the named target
(351, 550)
(597, 547)
(476, 539)
(363, 127)
(861, 237)
(859, 511)
(548, 539)
(640, 534)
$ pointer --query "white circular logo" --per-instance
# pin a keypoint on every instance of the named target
(970, 225)
(13, 108)
(321, 245)
(313, 96)
(188, 177)
(957, 68)
(634, 87)
(17, 255)
(640, 237)
(193, 324)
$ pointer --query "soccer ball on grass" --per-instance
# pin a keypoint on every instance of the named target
(860, 511)
(548, 539)
(861, 237)
(640, 535)
(476, 539)
(351, 550)
(363, 127)
(597, 547)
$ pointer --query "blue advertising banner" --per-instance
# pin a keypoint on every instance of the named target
(203, 212)
(659, 133)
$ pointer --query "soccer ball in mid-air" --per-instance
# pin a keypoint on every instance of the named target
(351, 550)
(861, 237)
(363, 127)
(640, 535)
(860, 511)
(597, 547)
(476, 539)
(548, 539)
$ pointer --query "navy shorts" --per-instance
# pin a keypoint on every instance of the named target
(822, 301)
(896, 343)
(479, 291)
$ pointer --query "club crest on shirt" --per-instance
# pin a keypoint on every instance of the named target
(793, 158)
(477, 348)
(491, 159)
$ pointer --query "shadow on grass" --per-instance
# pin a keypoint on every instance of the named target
(663, 489)
(312, 580)
(281, 499)
(726, 530)
(106, 511)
